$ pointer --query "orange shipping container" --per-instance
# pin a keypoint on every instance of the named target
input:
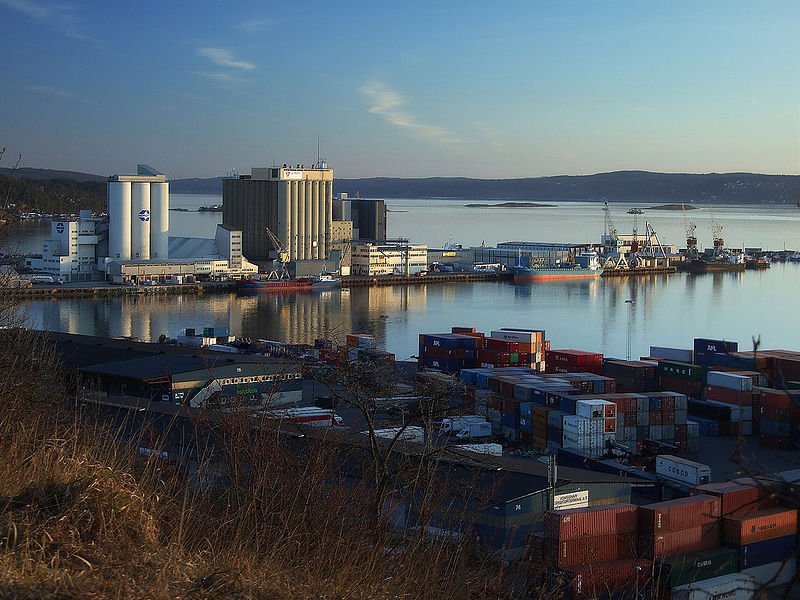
(673, 543)
(736, 498)
(759, 526)
(591, 549)
(682, 513)
(579, 522)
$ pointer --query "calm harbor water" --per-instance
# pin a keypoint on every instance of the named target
(593, 315)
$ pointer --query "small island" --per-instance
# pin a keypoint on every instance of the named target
(674, 207)
(511, 205)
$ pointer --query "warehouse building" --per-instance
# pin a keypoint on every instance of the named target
(402, 258)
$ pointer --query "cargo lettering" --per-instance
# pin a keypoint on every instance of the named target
(703, 563)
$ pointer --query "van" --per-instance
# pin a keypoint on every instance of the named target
(51, 279)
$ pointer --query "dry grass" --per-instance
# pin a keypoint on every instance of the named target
(84, 517)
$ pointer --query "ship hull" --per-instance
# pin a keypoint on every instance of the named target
(525, 275)
(274, 285)
(701, 266)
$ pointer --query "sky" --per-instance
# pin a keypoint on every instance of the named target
(411, 89)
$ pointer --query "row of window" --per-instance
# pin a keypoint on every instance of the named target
(261, 378)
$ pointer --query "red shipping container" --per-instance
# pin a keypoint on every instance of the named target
(593, 549)
(759, 526)
(501, 345)
(735, 498)
(720, 394)
(678, 514)
(493, 357)
(656, 418)
(668, 417)
(463, 330)
(672, 543)
(579, 522)
(597, 579)
(775, 398)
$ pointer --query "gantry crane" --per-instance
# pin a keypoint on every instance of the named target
(282, 256)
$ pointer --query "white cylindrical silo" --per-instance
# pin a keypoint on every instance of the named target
(119, 220)
(159, 221)
(301, 221)
(140, 220)
(315, 248)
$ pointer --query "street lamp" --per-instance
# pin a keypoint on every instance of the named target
(630, 303)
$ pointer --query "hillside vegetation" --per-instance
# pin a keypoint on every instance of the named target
(83, 516)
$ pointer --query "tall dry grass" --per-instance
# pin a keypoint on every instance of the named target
(84, 517)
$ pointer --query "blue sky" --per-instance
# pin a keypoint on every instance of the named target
(506, 89)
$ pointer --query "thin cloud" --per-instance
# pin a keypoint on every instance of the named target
(388, 104)
(254, 25)
(224, 58)
(219, 75)
(61, 16)
(47, 90)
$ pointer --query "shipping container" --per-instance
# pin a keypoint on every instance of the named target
(735, 498)
(773, 575)
(678, 514)
(591, 549)
(599, 579)
(767, 551)
(735, 586)
(603, 520)
(732, 381)
(676, 354)
(682, 470)
(758, 526)
(682, 541)
(697, 566)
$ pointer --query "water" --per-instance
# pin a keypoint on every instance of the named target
(592, 315)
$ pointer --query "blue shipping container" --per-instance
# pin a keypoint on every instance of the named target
(762, 553)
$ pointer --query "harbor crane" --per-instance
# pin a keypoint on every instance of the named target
(282, 256)
(689, 227)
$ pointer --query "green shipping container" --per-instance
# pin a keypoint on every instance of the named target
(668, 368)
(514, 358)
(702, 565)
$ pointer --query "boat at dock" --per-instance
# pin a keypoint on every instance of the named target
(323, 281)
(586, 266)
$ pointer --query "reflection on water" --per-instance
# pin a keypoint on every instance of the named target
(668, 310)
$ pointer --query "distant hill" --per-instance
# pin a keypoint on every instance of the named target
(39, 174)
(631, 186)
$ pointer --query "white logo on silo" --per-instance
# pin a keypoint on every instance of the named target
(60, 227)
(144, 215)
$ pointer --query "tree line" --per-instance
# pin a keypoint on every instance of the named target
(52, 195)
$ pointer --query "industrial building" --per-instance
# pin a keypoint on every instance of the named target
(391, 258)
(367, 215)
(133, 245)
(295, 203)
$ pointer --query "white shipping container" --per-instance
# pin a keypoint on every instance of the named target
(454, 423)
(581, 425)
(730, 381)
(594, 409)
(491, 449)
(682, 470)
(523, 337)
(676, 354)
(773, 574)
(735, 586)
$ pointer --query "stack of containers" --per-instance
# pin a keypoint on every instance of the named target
(730, 388)
(573, 361)
(681, 526)
(580, 536)
(721, 419)
(448, 352)
(778, 417)
(531, 342)
(632, 375)
(681, 377)
(765, 539)
(594, 424)
(502, 353)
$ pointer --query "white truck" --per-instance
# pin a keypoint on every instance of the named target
(681, 470)
(466, 427)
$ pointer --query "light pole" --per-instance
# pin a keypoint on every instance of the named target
(629, 302)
